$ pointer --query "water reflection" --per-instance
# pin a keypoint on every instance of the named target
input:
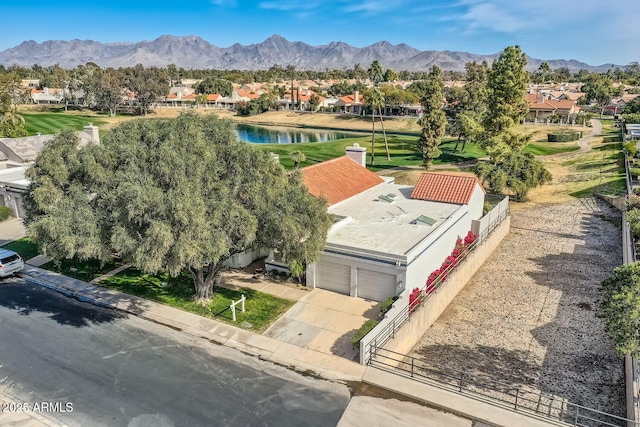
(284, 135)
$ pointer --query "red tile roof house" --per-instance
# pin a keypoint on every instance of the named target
(387, 237)
(540, 108)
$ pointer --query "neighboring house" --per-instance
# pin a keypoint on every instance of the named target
(17, 154)
(541, 108)
(387, 237)
(47, 96)
(351, 104)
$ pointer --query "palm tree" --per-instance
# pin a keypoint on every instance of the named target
(297, 157)
(375, 99)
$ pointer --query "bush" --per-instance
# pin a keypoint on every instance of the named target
(360, 333)
(564, 136)
(635, 172)
(4, 213)
(387, 304)
(633, 218)
(631, 148)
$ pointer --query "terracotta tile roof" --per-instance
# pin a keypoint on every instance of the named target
(539, 103)
(172, 96)
(436, 187)
(338, 179)
(190, 96)
(213, 97)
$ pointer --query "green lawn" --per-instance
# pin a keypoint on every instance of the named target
(82, 270)
(50, 123)
(401, 150)
(548, 148)
(261, 309)
(25, 247)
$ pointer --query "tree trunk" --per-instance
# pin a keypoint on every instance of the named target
(203, 282)
(386, 145)
(373, 136)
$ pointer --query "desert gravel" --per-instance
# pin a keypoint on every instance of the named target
(527, 318)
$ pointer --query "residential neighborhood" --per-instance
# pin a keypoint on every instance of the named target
(411, 215)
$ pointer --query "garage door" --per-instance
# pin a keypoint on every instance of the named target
(375, 286)
(333, 277)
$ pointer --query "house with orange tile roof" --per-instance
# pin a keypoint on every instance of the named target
(351, 104)
(387, 237)
(540, 108)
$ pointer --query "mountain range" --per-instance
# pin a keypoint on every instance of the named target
(195, 52)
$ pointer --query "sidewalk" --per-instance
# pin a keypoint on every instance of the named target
(9, 417)
(302, 359)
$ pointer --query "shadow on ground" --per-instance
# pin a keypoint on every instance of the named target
(27, 299)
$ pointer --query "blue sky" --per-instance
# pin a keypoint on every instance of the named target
(586, 30)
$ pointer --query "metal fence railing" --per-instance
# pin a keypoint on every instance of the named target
(514, 398)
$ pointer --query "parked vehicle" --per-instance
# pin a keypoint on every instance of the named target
(10, 263)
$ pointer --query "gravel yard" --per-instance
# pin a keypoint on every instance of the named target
(527, 318)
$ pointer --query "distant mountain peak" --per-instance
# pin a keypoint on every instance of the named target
(195, 52)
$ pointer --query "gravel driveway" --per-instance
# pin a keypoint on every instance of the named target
(527, 318)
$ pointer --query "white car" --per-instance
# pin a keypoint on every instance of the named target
(10, 262)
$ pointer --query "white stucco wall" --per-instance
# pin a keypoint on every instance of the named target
(429, 255)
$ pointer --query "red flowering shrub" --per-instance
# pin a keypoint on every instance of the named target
(470, 238)
(415, 298)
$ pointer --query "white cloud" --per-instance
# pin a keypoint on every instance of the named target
(288, 5)
(231, 3)
(373, 6)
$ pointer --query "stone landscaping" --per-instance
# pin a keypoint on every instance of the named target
(527, 318)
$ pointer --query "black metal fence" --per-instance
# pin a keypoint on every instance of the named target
(507, 396)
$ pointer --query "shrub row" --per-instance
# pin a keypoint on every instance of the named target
(565, 136)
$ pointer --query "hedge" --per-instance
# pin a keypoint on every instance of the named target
(364, 330)
(564, 136)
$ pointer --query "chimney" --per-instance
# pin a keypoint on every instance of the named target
(539, 97)
(356, 97)
(92, 131)
(357, 154)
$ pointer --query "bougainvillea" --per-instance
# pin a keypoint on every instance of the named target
(439, 276)
(415, 298)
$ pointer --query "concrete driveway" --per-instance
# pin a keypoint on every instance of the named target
(324, 321)
(10, 230)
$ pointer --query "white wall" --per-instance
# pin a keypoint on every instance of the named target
(429, 255)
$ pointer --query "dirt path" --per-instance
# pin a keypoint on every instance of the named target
(584, 143)
(527, 318)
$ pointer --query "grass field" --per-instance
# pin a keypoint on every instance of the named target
(260, 309)
(401, 150)
(52, 122)
(82, 270)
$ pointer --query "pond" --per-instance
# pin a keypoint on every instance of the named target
(286, 135)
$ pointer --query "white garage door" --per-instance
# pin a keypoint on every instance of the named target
(375, 286)
(333, 277)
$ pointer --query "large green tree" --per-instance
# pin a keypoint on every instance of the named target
(599, 88)
(433, 120)
(174, 194)
(215, 85)
(147, 85)
(507, 85)
(619, 307)
(11, 123)
(509, 167)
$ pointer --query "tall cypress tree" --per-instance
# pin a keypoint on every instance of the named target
(433, 120)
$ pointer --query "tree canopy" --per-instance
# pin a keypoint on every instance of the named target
(433, 120)
(172, 194)
(619, 307)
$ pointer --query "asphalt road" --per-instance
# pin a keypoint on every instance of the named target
(118, 370)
